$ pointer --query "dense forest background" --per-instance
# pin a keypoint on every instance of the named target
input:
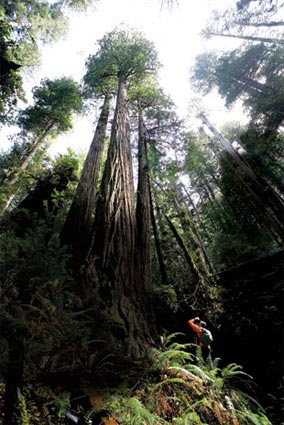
(105, 257)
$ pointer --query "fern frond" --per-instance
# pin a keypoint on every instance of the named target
(200, 372)
(178, 346)
(182, 370)
(177, 354)
(165, 340)
(170, 381)
(232, 370)
(140, 415)
(248, 399)
(253, 418)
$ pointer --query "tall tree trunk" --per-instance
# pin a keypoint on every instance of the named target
(143, 215)
(120, 291)
(77, 228)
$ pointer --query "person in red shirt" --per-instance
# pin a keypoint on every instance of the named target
(197, 325)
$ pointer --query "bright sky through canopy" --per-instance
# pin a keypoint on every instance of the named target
(175, 33)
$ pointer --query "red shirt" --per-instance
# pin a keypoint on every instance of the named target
(198, 330)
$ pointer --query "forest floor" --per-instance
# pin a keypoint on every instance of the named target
(172, 386)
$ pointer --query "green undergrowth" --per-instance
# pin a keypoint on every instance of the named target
(173, 385)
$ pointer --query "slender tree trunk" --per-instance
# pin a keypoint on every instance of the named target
(194, 236)
(247, 37)
(261, 191)
(261, 24)
(201, 296)
(254, 87)
(196, 215)
(163, 271)
(77, 228)
(228, 147)
(10, 200)
(35, 147)
(27, 160)
(143, 215)
(181, 244)
(120, 291)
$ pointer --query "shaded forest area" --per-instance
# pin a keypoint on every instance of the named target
(104, 259)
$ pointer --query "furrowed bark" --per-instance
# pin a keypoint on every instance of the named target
(120, 291)
(77, 229)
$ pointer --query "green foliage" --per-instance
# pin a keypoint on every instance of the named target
(56, 403)
(36, 295)
(55, 102)
(41, 172)
(264, 152)
(139, 414)
(10, 79)
(167, 294)
(249, 18)
(252, 73)
(184, 392)
(228, 220)
(123, 52)
(23, 27)
(23, 413)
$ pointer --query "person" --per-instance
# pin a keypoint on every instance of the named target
(198, 326)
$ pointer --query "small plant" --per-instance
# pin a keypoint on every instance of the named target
(23, 411)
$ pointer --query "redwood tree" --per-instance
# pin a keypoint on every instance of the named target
(120, 291)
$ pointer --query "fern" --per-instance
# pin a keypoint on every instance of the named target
(191, 418)
(200, 373)
(139, 414)
(166, 339)
(233, 370)
(57, 402)
(248, 417)
(23, 410)
(170, 381)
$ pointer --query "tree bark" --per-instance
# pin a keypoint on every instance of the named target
(120, 291)
(77, 228)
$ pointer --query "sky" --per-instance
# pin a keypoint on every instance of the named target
(175, 33)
